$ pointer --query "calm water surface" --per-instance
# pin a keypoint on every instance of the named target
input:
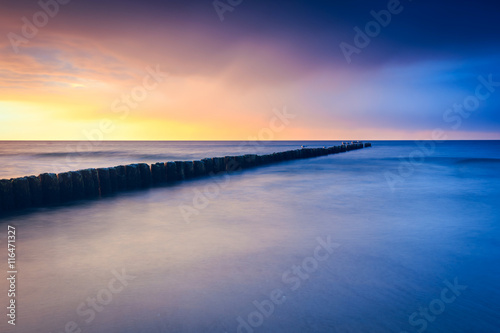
(198, 257)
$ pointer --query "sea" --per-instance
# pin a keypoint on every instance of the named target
(401, 237)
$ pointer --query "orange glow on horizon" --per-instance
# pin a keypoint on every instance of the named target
(63, 84)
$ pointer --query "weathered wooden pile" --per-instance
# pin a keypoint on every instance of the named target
(52, 189)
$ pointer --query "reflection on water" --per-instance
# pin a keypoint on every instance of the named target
(132, 264)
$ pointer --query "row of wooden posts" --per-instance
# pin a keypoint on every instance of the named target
(50, 189)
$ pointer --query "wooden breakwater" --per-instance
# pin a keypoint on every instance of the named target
(51, 189)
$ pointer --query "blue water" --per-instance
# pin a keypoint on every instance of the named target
(401, 219)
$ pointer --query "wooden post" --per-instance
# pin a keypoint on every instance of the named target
(159, 173)
(21, 191)
(121, 178)
(50, 189)
(35, 190)
(189, 169)
(65, 186)
(78, 185)
(171, 172)
(90, 185)
(133, 176)
(6, 196)
(113, 179)
(180, 170)
(199, 168)
(209, 165)
(104, 181)
(145, 172)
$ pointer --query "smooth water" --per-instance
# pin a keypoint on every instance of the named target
(207, 254)
(23, 158)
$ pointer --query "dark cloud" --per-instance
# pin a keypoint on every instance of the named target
(424, 29)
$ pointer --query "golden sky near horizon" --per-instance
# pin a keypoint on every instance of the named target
(73, 75)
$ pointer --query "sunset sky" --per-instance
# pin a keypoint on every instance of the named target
(225, 79)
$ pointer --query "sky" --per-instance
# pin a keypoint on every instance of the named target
(223, 70)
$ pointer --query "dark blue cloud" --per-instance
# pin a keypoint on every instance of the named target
(422, 29)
